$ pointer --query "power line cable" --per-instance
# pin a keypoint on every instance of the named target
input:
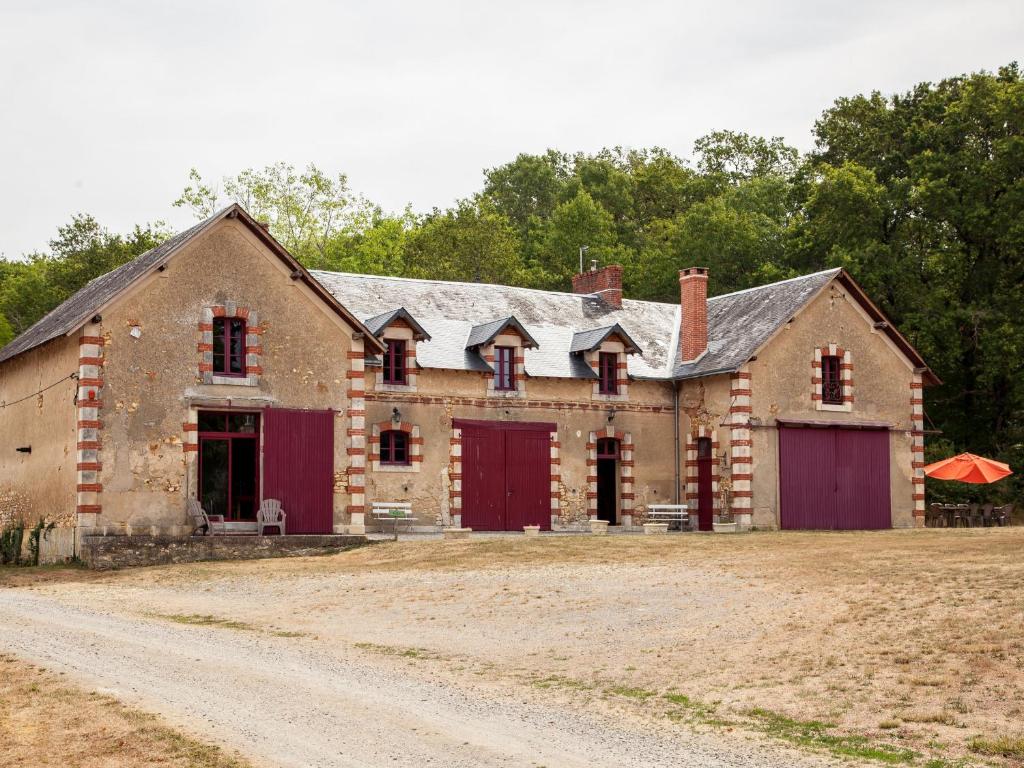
(39, 392)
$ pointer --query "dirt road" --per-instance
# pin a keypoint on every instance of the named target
(288, 702)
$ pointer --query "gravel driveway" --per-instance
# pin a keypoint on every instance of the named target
(288, 702)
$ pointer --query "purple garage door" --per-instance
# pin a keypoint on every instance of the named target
(834, 479)
(298, 467)
(506, 471)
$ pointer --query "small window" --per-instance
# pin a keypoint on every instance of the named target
(394, 362)
(394, 447)
(607, 448)
(608, 363)
(229, 346)
(831, 380)
(504, 368)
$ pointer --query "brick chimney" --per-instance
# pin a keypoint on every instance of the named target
(693, 300)
(605, 282)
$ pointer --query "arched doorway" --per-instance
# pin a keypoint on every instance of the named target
(607, 480)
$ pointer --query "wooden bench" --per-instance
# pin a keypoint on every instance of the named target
(397, 511)
(669, 513)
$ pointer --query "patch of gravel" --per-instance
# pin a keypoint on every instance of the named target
(288, 702)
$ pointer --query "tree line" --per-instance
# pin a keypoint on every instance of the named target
(919, 195)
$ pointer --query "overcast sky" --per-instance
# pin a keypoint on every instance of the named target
(106, 105)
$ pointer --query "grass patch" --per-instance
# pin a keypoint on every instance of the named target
(558, 681)
(638, 694)
(394, 650)
(999, 746)
(45, 721)
(822, 735)
(205, 620)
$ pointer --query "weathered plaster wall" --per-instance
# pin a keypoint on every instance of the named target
(41, 483)
(443, 395)
(152, 381)
(781, 387)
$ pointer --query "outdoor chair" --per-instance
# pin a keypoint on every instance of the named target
(201, 521)
(957, 515)
(974, 519)
(1002, 515)
(270, 515)
(933, 516)
(987, 517)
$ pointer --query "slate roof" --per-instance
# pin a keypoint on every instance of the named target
(561, 323)
(486, 333)
(97, 293)
(588, 341)
(740, 323)
(376, 325)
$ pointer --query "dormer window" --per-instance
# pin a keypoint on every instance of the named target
(505, 368)
(394, 362)
(831, 380)
(229, 346)
(608, 363)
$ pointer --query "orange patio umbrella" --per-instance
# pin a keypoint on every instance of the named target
(968, 468)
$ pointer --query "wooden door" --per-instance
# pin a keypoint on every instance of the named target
(506, 470)
(705, 497)
(298, 467)
(834, 479)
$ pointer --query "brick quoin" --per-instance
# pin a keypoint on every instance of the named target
(605, 282)
(693, 303)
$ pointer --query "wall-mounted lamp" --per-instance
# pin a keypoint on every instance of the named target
(396, 416)
(611, 415)
(725, 460)
(24, 449)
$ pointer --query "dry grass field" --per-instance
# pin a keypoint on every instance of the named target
(896, 646)
(44, 721)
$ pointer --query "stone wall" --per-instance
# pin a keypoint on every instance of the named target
(111, 552)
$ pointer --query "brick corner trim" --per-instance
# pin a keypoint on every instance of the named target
(89, 404)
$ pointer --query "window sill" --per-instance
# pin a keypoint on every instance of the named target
(506, 394)
(844, 408)
(396, 468)
(237, 381)
(381, 386)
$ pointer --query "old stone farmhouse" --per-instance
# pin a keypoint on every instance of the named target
(215, 366)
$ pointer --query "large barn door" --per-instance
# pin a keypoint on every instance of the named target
(834, 479)
(483, 479)
(506, 471)
(298, 467)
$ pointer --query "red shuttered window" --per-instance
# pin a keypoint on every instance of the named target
(394, 447)
(831, 380)
(394, 362)
(608, 371)
(229, 346)
(504, 368)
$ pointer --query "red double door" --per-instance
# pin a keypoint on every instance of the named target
(506, 474)
(298, 467)
(834, 479)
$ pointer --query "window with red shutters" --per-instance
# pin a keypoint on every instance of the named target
(505, 368)
(229, 346)
(394, 362)
(394, 447)
(608, 363)
(831, 380)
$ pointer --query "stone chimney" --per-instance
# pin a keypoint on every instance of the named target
(605, 282)
(693, 300)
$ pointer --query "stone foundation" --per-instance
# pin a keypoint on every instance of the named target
(110, 552)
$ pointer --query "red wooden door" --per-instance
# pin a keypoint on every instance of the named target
(506, 468)
(834, 479)
(483, 479)
(705, 499)
(528, 470)
(298, 467)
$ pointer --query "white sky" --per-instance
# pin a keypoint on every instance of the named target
(105, 105)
